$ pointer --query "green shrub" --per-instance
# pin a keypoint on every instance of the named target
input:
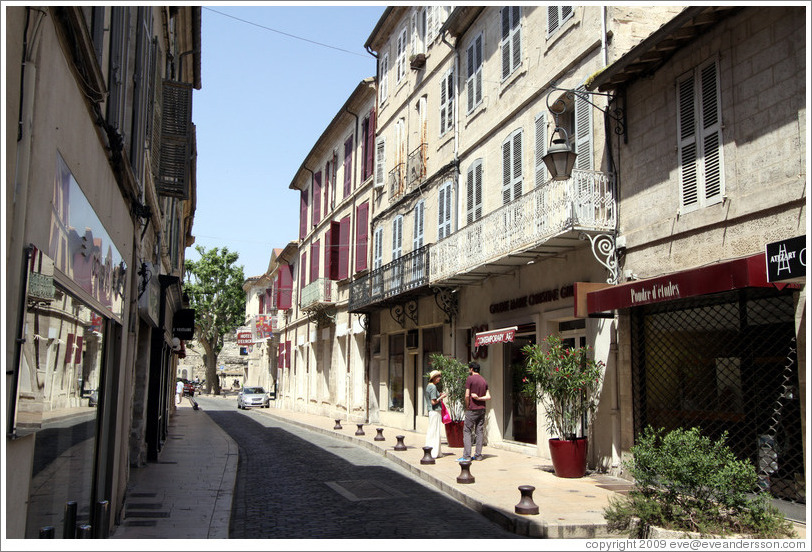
(686, 481)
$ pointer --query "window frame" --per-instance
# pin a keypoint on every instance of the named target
(561, 17)
(445, 211)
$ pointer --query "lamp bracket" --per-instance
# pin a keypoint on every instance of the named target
(613, 112)
(604, 250)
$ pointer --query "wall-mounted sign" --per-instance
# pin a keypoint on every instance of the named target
(786, 260)
(545, 296)
(245, 338)
(183, 324)
(502, 335)
(149, 300)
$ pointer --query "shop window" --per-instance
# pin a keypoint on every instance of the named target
(396, 349)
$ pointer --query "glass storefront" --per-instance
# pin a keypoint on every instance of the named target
(520, 411)
(396, 350)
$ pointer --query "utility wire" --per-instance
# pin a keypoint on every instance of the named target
(366, 56)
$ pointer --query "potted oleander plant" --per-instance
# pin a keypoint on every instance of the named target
(566, 382)
(454, 373)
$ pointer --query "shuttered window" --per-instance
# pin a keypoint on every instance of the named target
(511, 43)
(397, 237)
(361, 236)
(699, 137)
(419, 214)
(348, 167)
(583, 132)
(383, 77)
(331, 251)
(302, 274)
(303, 214)
(473, 83)
(447, 102)
(380, 158)
(283, 287)
(512, 167)
(400, 62)
(316, 198)
(368, 145)
(314, 260)
(444, 211)
(556, 16)
(377, 257)
(344, 248)
(541, 148)
(473, 187)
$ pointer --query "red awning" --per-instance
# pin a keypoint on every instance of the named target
(725, 276)
(504, 335)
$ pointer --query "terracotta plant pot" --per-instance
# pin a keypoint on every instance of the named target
(453, 433)
(569, 456)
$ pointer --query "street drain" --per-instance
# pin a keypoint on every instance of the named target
(361, 489)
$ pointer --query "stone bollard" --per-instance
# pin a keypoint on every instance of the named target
(379, 436)
(69, 525)
(465, 472)
(360, 430)
(47, 532)
(338, 425)
(427, 459)
(400, 445)
(526, 504)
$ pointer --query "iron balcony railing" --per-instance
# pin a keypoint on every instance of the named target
(396, 182)
(318, 292)
(406, 273)
(416, 166)
(584, 202)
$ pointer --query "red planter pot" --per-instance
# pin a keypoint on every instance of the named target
(569, 456)
(453, 434)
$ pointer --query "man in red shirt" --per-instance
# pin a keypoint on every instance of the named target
(476, 393)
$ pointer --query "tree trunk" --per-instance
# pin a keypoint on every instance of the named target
(210, 362)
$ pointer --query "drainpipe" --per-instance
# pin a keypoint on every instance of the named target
(604, 53)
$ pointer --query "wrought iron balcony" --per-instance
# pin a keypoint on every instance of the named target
(318, 293)
(416, 166)
(396, 181)
(547, 220)
(405, 274)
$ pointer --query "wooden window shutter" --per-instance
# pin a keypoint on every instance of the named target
(506, 172)
(711, 133)
(541, 148)
(287, 354)
(303, 214)
(478, 70)
(506, 57)
(469, 80)
(380, 155)
(377, 258)
(284, 287)
(262, 303)
(516, 38)
(517, 165)
(302, 274)
(397, 237)
(361, 236)
(176, 124)
(314, 260)
(474, 192)
(330, 256)
(583, 132)
(343, 248)
(348, 167)
(419, 216)
(370, 146)
(687, 146)
(316, 198)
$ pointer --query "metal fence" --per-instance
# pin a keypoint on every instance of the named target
(726, 362)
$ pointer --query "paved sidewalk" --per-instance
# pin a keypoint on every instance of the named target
(188, 493)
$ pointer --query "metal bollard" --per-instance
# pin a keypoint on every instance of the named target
(47, 532)
(338, 425)
(526, 504)
(84, 531)
(400, 445)
(360, 430)
(379, 436)
(101, 520)
(465, 473)
(427, 459)
(69, 525)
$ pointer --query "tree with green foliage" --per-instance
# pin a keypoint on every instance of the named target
(214, 285)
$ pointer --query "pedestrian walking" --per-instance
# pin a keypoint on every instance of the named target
(434, 401)
(476, 393)
(178, 391)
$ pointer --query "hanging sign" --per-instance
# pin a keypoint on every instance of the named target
(245, 338)
(503, 335)
(786, 260)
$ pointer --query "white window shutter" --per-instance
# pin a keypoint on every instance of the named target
(541, 148)
(470, 69)
(517, 165)
(478, 190)
(417, 239)
(506, 55)
(516, 47)
(380, 152)
(687, 143)
(473, 205)
(377, 260)
(711, 133)
(583, 132)
(478, 71)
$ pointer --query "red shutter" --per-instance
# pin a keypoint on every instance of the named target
(78, 358)
(280, 355)
(331, 260)
(344, 248)
(348, 167)
(287, 354)
(262, 304)
(370, 146)
(303, 215)
(69, 348)
(302, 274)
(361, 236)
(328, 181)
(316, 198)
(314, 261)
(284, 287)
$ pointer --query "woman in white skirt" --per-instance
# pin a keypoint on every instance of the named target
(433, 405)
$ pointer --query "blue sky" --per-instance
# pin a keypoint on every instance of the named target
(265, 100)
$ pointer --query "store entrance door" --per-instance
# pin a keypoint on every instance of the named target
(520, 411)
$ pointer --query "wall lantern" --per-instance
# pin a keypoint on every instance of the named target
(560, 159)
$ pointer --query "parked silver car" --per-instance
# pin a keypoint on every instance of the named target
(252, 396)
